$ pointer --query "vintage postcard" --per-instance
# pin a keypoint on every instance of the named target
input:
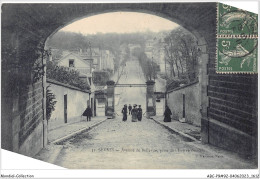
(151, 85)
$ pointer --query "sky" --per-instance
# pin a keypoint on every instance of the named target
(120, 22)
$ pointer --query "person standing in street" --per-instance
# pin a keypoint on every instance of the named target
(88, 113)
(124, 111)
(130, 108)
(167, 114)
(134, 114)
(139, 113)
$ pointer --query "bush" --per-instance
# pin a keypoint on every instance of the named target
(50, 103)
(100, 78)
(171, 84)
(175, 83)
(66, 75)
(110, 71)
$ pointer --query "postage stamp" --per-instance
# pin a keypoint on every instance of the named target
(237, 55)
(237, 40)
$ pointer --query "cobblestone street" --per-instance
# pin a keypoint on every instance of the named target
(115, 144)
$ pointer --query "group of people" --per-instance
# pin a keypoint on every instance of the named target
(135, 112)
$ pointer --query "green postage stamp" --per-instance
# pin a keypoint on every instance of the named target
(237, 40)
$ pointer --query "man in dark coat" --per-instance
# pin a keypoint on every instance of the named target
(124, 111)
(167, 114)
(88, 113)
(130, 108)
(139, 113)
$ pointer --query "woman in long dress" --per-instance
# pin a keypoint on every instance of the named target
(124, 111)
(139, 113)
(134, 114)
(167, 114)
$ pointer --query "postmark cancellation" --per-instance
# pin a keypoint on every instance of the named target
(237, 40)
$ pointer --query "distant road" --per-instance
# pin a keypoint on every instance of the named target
(132, 74)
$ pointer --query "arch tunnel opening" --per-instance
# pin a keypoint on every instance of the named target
(109, 43)
(23, 111)
(21, 42)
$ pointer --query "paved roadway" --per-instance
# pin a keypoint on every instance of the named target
(132, 74)
(115, 144)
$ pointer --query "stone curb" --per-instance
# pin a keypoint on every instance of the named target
(186, 136)
(53, 157)
(57, 141)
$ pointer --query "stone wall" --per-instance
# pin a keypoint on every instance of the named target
(232, 112)
(77, 101)
(192, 103)
(23, 118)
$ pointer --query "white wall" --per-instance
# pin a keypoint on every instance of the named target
(100, 108)
(160, 107)
(76, 104)
(192, 103)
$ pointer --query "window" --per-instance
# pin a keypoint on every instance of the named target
(71, 63)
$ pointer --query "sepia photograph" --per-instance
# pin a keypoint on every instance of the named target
(151, 85)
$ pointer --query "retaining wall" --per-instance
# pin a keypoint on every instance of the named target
(192, 103)
(77, 101)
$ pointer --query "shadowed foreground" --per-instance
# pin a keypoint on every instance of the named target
(141, 145)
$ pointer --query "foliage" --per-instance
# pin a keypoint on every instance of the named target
(110, 71)
(149, 68)
(175, 83)
(100, 78)
(50, 102)
(23, 58)
(182, 53)
(66, 75)
(109, 41)
(127, 54)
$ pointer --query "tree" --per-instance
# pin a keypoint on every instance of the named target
(181, 54)
(149, 67)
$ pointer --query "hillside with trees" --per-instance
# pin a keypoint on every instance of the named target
(180, 50)
(181, 54)
(109, 41)
(149, 67)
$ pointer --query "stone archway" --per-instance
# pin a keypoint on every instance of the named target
(26, 27)
(34, 23)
